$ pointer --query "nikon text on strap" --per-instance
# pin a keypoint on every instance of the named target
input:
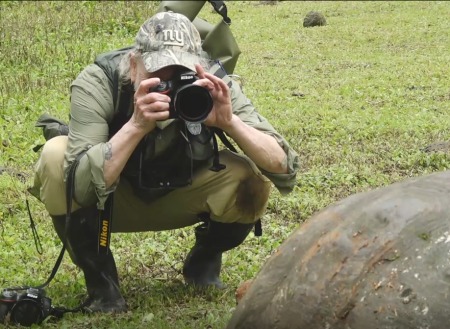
(105, 215)
(105, 222)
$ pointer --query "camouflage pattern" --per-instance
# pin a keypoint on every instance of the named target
(169, 38)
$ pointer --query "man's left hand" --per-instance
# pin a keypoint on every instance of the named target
(221, 115)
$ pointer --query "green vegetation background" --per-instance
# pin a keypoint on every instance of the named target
(358, 99)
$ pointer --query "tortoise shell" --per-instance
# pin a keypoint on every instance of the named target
(378, 259)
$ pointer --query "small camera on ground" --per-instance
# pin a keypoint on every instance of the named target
(189, 102)
(24, 306)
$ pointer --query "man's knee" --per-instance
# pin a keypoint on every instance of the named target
(248, 190)
(49, 181)
(252, 196)
(52, 156)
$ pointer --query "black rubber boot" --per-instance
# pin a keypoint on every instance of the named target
(100, 272)
(203, 263)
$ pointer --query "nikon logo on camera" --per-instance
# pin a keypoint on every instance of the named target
(104, 234)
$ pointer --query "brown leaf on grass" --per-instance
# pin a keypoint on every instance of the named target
(242, 290)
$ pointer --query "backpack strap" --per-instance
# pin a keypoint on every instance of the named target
(219, 71)
(221, 9)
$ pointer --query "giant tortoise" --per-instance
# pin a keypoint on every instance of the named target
(375, 260)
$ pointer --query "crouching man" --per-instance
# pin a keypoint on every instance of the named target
(137, 160)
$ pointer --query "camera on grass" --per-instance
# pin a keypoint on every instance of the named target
(24, 306)
(189, 102)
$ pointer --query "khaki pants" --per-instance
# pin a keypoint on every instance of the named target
(238, 193)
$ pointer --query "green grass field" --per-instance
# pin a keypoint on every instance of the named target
(358, 99)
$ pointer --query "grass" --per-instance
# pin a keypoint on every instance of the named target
(358, 99)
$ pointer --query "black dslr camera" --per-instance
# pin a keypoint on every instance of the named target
(189, 102)
(24, 306)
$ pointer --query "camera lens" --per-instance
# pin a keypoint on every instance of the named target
(27, 312)
(193, 103)
(4, 309)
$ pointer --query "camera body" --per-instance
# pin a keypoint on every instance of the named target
(24, 306)
(189, 102)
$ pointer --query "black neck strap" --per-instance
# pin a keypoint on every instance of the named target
(69, 197)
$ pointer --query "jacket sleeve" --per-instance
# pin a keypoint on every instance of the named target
(91, 110)
(245, 110)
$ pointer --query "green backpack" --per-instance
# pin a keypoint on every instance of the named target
(217, 40)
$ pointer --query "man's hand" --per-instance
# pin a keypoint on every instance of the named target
(149, 107)
(221, 114)
(263, 149)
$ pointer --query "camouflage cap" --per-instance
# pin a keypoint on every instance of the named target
(169, 38)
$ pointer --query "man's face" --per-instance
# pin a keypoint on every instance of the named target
(166, 73)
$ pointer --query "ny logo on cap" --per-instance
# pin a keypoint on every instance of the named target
(173, 38)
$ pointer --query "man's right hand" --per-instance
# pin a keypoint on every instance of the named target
(149, 107)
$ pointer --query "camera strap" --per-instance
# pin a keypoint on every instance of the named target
(105, 222)
(105, 215)
(69, 196)
(37, 240)
(70, 187)
(57, 312)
